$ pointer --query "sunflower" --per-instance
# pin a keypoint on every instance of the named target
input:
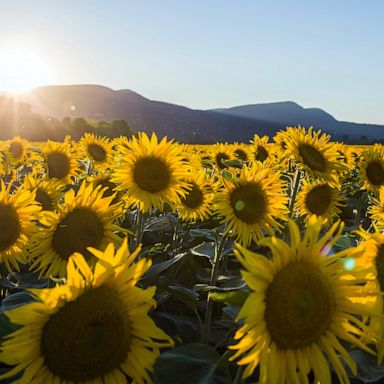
(373, 257)
(300, 308)
(17, 150)
(313, 151)
(376, 211)
(17, 215)
(371, 169)
(319, 199)
(48, 192)
(197, 202)
(60, 161)
(151, 172)
(259, 144)
(93, 329)
(344, 154)
(103, 179)
(97, 149)
(251, 203)
(84, 220)
(241, 151)
(220, 153)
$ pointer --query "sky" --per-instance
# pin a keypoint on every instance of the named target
(204, 53)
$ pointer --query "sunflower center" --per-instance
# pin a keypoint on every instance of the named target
(151, 174)
(194, 198)
(241, 154)
(375, 173)
(379, 261)
(43, 198)
(261, 154)
(318, 199)
(87, 338)
(299, 305)
(59, 165)
(249, 203)
(16, 149)
(97, 152)
(219, 160)
(10, 227)
(312, 158)
(78, 230)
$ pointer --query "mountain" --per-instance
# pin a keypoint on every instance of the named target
(292, 114)
(184, 124)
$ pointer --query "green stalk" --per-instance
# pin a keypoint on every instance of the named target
(214, 275)
(239, 373)
(294, 190)
(139, 227)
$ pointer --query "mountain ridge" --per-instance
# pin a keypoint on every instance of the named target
(237, 123)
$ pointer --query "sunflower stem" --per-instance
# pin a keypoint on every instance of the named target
(139, 227)
(214, 275)
(294, 190)
(360, 203)
(239, 374)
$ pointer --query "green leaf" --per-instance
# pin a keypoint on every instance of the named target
(15, 300)
(368, 371)
(233, 284)
(187, 364)
(163, 223)
(161, 267)
(183, 294)
(233, 163)
(205, 250)
(227, 175)
(236, 298)
(203, 233)
(344, 242)
(6, 327)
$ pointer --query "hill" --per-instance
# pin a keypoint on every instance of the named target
(238, 123)
(183, 124)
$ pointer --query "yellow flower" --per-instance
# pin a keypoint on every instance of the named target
(300, 308)
(313, 151)
(371, 169)
(252, 203)
(241, 151)
(60, 161)
(93, 329)
(261, 152)
(97, 149)
(17, 214)
(344, 154)
(85, 219)
(151, 172)
(197, 202)
(319, 199)
(17, 150)
(48, 192)
(372, 258)
(376, 211)
(220, 153)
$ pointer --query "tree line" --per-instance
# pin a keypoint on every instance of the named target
(17, 119)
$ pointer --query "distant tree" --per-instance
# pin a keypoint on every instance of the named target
(79, 127)
(120, 128)
(345, 138)
(364, 139)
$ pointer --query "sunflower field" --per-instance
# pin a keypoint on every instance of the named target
(148, 261)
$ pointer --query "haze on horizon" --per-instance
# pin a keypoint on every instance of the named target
(204, 54)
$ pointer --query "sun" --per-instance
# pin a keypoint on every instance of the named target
(22, 70)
